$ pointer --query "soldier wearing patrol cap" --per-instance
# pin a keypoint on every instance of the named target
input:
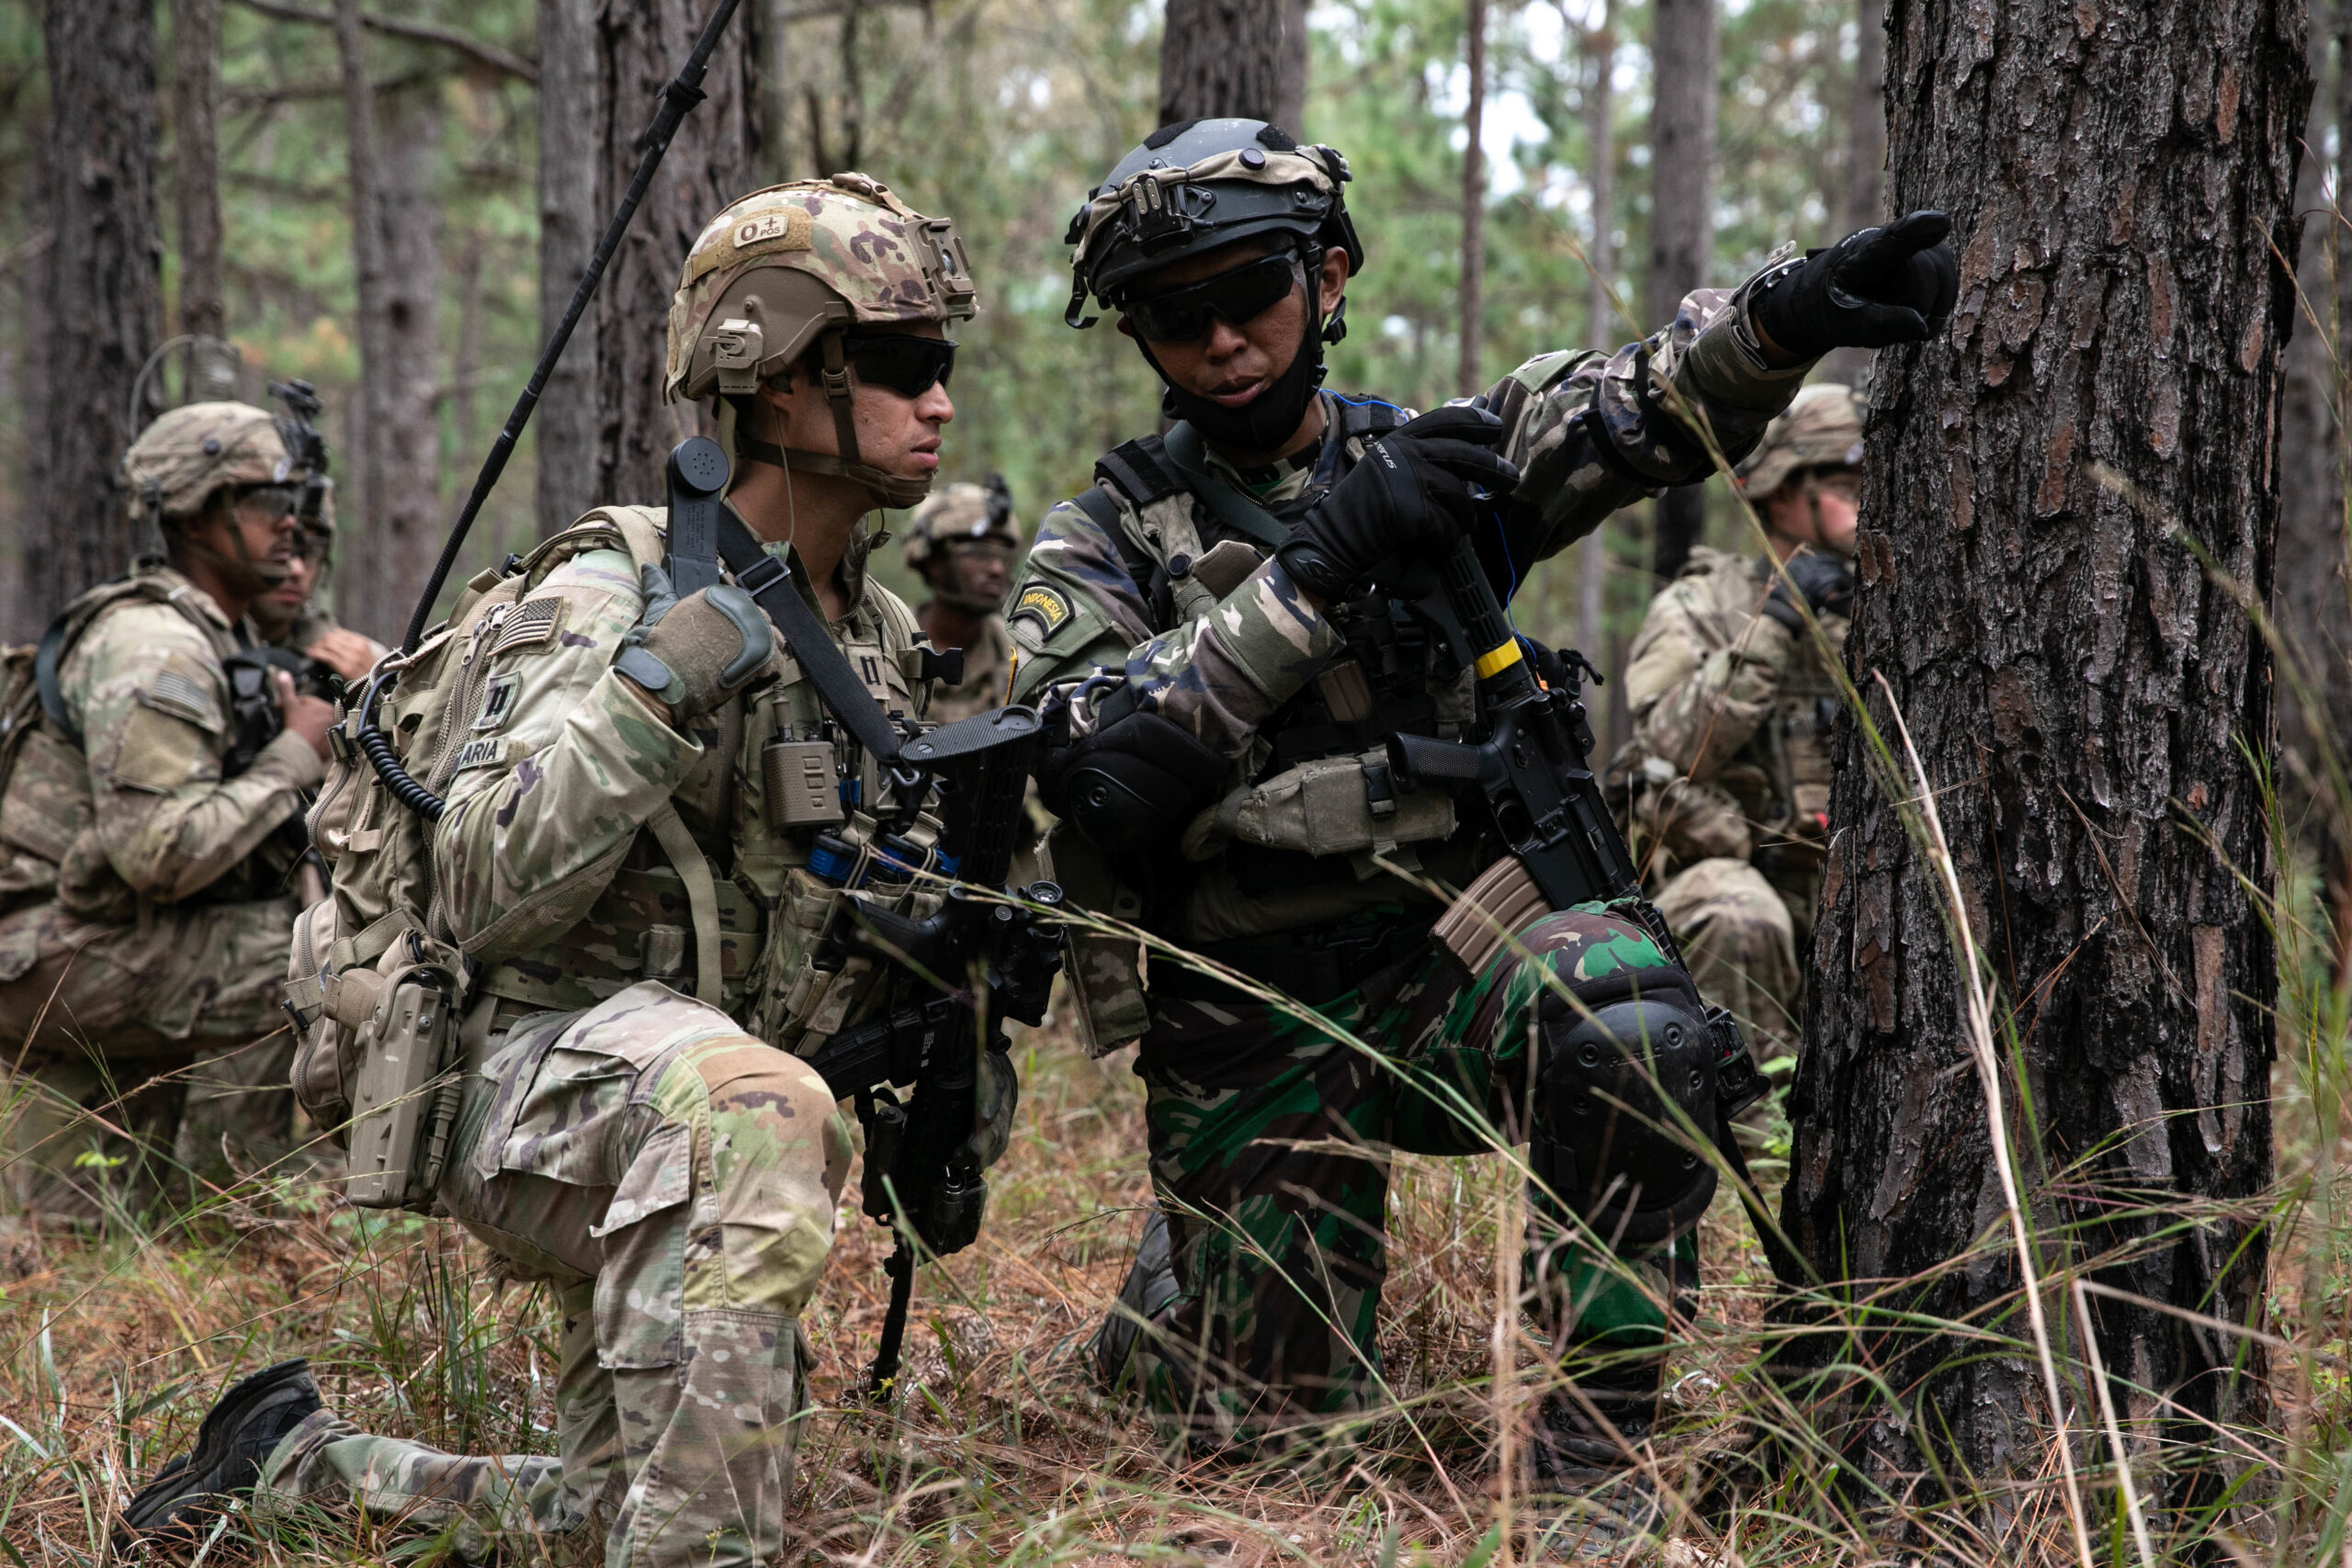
(633, 860)
(1239, 614)
(149, 844)
(1725, 783)
(962, 542)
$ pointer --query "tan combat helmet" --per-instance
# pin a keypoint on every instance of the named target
(964, 514)
(178, 463)
(960, 514)
(790, 269)
(1822, 428)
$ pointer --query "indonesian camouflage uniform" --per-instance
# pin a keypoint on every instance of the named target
(1269, 1133)
(660, 1160)
(149, 907)
(1727, 781)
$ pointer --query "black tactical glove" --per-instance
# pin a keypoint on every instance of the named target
(1413, 487)
(1825, 578)
(694, 653)
(1873, 288)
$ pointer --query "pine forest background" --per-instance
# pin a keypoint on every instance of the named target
(998, 112)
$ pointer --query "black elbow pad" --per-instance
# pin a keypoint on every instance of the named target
(1134, 784)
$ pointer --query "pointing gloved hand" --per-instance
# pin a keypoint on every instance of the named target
(1873, 288)
(1413, 487)
(694, 653)
(1825, 578)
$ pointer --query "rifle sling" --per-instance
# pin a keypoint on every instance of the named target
(769, 581)
(1235, 510)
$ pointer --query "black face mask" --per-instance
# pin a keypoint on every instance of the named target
(1266, 421)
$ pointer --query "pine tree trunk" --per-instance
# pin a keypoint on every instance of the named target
(406, 525)
(1863, 200)
(640, 45)
(1297, 56)
(195, 112)
(1472, 339)
(1221, 58)
(104, 306)
(2079, 690)
(570, 153)
(2311, 605)
(1602, 326)
(1682, 151)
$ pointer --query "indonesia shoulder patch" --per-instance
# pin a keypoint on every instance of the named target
(1043, 603)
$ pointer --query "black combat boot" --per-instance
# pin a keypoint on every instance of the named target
(251, 1419)
(1607, 1505)
(1151, 1285)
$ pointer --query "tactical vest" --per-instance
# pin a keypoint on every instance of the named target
(1314, 779)
(47, 811)
(727, 911)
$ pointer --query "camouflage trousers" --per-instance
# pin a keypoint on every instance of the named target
(135, 1048)
(676, 1180)
(1740, 944)
(1269, 1140)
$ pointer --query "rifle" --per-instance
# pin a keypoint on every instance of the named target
(955, 976)
(1533, 770)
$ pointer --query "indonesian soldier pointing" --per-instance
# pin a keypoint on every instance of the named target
(149, 834)
(640, 884)
(1727, 776)
(1251, 636)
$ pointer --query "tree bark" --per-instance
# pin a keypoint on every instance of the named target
(396, 261)
(1297, 58)
(2079, 690)
(103, 313)
(1474, 205)
(1863, 200)
(2310, 602)
(1600, 313)
(639, 44)
(570, 112)
(1682, 151)
(1220, 58)
(195, 111)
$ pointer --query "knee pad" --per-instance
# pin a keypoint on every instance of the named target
(1616, 1087)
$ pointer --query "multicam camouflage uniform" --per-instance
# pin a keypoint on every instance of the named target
(1727, 776)
(1268, 1131)
(964, 516)
(147, 894)
(660, 1160)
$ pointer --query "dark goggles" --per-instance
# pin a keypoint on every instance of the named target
(907, 365)
(276, 499)
(1236, 298)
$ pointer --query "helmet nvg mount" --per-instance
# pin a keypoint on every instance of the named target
(1193, 187)
(790, 271)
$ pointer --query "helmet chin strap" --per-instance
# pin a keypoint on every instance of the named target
(238, 570)
(887, 490)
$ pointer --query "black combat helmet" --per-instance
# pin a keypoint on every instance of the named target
(1193, 187)
(1212, 182)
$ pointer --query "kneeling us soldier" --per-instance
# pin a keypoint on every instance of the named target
(1726, 778)
(1223, 594)
(148, 852)
(665, 1160)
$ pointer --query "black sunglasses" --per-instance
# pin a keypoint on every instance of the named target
(1236, 298)
(907, 365)
(276, 499)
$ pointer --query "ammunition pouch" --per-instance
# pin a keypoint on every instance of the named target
(1330, 805)
(1627, 1110)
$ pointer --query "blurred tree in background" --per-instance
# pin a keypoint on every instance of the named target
(999, 113)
